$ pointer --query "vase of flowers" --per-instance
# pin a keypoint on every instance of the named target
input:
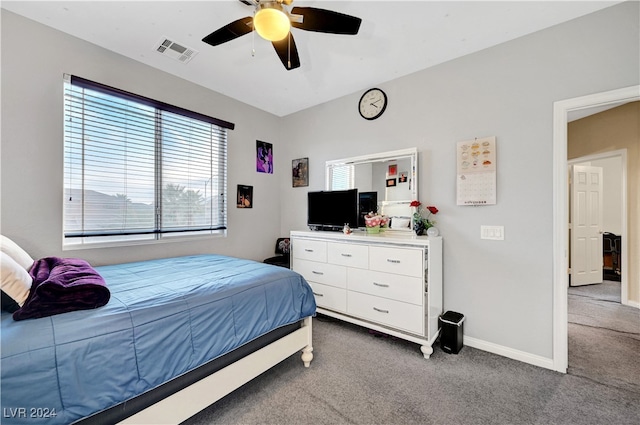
(422, 224)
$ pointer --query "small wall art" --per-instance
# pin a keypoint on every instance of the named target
(245, 196)
(403, 177)
(264, 157)
(300, 172)
(393, 170)
(391, 182)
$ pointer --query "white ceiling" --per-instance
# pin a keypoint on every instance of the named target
(396, 38)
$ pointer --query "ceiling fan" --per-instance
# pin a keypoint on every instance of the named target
(273, 21)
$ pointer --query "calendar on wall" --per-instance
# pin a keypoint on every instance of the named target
(476, 171)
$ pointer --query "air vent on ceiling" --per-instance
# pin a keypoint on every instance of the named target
(175, 50)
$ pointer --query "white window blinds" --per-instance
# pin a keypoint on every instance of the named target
(342, 177)
(136, 168)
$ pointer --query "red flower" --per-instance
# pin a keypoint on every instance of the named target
(433, 210)
(415, 204)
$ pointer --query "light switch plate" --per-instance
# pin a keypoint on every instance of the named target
(495, 233)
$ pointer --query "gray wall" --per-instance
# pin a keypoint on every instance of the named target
(503, 288)
(34, 58)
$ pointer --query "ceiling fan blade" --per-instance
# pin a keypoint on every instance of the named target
(287, 52)
(230, 31)
(322, 20)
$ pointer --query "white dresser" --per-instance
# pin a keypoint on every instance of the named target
(390, 282)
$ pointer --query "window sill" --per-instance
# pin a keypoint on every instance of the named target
(130, 243)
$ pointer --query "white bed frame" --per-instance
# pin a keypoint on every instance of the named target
(185, 403)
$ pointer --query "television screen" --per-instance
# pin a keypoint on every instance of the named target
(331, 210)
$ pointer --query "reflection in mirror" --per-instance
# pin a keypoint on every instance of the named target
(386, 182)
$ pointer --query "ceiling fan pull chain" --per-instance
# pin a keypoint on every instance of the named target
(289, 50)
(253, 37)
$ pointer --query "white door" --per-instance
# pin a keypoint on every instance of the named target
(586, 225)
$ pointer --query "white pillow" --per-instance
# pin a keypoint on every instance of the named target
(14, 279)
(400, 222)
(18, 254)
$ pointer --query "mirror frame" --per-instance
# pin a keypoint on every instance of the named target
(411, 153)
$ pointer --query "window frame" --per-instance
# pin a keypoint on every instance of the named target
(83, 239)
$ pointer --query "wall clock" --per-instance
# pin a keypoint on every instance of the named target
(372, 104)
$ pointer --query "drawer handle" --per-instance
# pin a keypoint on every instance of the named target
(346, 255)
(382, 285)
(315, 272)
(393, 261)
(308, 250)
(380, 310)
(318, 295)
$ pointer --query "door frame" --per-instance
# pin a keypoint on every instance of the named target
(561, 210)
(622, 154)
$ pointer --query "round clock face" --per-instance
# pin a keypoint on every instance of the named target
(372, 104)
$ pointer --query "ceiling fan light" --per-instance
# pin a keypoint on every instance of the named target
(272, 24)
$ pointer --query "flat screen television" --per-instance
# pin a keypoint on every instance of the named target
(331, 210)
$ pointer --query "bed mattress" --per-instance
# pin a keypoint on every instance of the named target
(165, 318)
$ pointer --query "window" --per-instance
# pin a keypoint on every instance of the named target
(139, 169)
(342, 177)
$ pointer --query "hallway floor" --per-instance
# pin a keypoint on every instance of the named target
(604, 336)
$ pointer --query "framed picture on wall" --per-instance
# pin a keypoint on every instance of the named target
(393, 170)
(403, 177)
(300, 172)
(391, 182)
(264, 157)
(245, 196)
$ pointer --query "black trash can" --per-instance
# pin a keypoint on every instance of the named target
(451, 332)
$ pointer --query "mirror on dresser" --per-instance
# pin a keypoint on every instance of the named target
(386, 182)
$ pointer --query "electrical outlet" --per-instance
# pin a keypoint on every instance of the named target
(495, 233)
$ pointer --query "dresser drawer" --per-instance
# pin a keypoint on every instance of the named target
(329, 274)
(404, 261)
(351, 255)
(309, 250)
(396, 287)
(330, 297)
(408, 317)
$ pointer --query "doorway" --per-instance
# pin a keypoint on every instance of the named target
(609, 225)
(561, 110)
(599, 325)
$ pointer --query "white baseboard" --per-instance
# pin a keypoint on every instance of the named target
(501, 350)
(633, 304)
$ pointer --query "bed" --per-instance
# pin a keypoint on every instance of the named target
(176, 335)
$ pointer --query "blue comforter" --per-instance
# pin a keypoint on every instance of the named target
(165, 317)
